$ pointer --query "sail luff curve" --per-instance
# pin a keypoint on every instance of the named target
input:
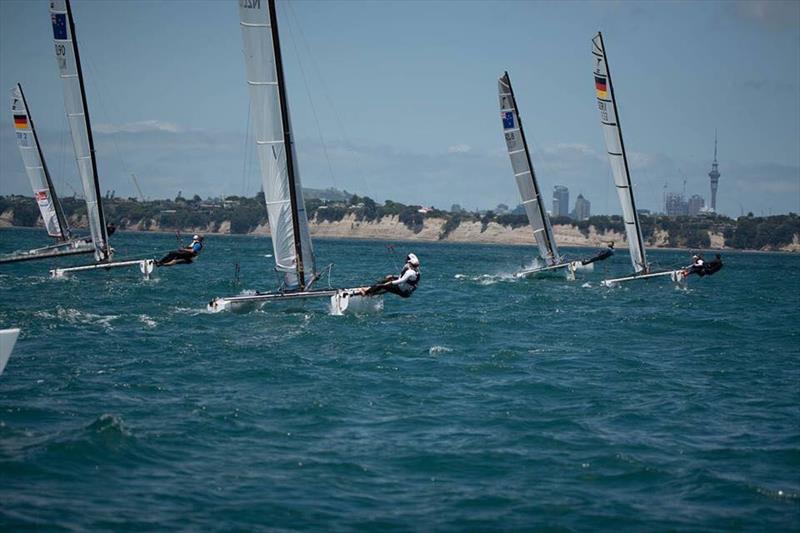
(524, 173)
(69, 69)
(35, 167)
(612, 131)
(282, 191)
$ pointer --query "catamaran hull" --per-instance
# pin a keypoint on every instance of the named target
(47, 252)
(677, 276)
(342, 301)
(146, 267)
(570, 267)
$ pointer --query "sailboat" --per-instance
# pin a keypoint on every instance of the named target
(528, 186)
(609, 118)
(69, 66)
(291, 241)
(43, 190)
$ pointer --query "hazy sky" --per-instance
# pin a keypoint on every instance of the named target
(398, 99)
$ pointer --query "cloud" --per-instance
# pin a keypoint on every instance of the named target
(459, 149)
(769, 14)
(138, 127)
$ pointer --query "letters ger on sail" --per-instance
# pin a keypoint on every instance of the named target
(616, 153)
(272, 147)
(524, 173)
(34, 166)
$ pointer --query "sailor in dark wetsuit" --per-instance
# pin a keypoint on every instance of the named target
(403, 285)
(605, 254)
(183, 255)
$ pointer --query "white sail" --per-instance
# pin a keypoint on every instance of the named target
(616, 154)
(274, 146)
(35, 167)
(77, 115)
(523, 172)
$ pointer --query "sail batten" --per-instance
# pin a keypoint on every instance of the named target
(69, 67)
(291, 241)
(615, 147)
(35, 167)
(524, 174)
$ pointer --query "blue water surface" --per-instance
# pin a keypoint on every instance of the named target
(481, 403)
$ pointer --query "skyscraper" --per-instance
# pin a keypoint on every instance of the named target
(582, 208)
(696, 204)
(714, 175)
(560, 201)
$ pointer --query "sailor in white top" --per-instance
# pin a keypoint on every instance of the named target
(403, 285)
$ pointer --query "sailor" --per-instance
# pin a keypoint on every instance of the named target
(600, 256)
(183, 255)
(697, 264)
(403, 285)
(110, 229)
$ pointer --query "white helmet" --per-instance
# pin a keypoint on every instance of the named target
(196, 238)
(411, 258)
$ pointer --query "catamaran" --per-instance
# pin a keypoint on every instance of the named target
(8, 337)
(69, 67)
(609, 118)
(292, 248)
(528, 186)
(43, 190)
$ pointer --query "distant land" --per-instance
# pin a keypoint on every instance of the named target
(339, 214)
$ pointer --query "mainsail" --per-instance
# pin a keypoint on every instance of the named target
(69, 67)
(288, 222)
(609, 117)
(524, 173)
(36, 168)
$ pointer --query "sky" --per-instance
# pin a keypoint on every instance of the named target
(398, 100)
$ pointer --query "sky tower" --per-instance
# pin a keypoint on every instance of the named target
(714, 175)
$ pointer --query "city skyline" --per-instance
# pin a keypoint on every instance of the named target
(376, 110)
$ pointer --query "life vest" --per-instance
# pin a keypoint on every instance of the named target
(412, 283)
(197, 247)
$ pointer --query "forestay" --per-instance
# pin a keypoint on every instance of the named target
(36, 168)
(524, 173)
(270, 115)
(78, 118)
(616, 154)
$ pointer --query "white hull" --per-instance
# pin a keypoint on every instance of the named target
(342, 301)
(571, 267)
(57, 250)
(8, 337)
(677, 276)
(146, 267)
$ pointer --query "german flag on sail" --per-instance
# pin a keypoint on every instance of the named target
(21, 122)
(600, 86)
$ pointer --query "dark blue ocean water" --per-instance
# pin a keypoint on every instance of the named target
(482, 403)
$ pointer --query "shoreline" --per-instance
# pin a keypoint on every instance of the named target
(405, 239)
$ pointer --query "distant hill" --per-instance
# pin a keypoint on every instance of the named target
(329, 195)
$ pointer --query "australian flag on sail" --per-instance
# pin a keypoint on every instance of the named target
(59, 25)
(508, 120)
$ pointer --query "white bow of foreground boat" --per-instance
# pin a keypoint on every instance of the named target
(8, 338)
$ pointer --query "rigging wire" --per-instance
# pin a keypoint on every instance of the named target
(311, 100)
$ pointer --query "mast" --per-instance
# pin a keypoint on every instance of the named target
(545, 230)
(103, 230)
(287, 138)
(60, 218)
(627, 187)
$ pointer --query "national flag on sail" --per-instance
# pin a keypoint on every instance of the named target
(41, 196)
(59, 25)
(600, 85)
(21, 122)
(508, 120)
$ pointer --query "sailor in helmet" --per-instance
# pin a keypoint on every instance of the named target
(183, 255)
(403, 285)
(697, 264)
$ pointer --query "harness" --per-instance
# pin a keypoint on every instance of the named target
(414, 283)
